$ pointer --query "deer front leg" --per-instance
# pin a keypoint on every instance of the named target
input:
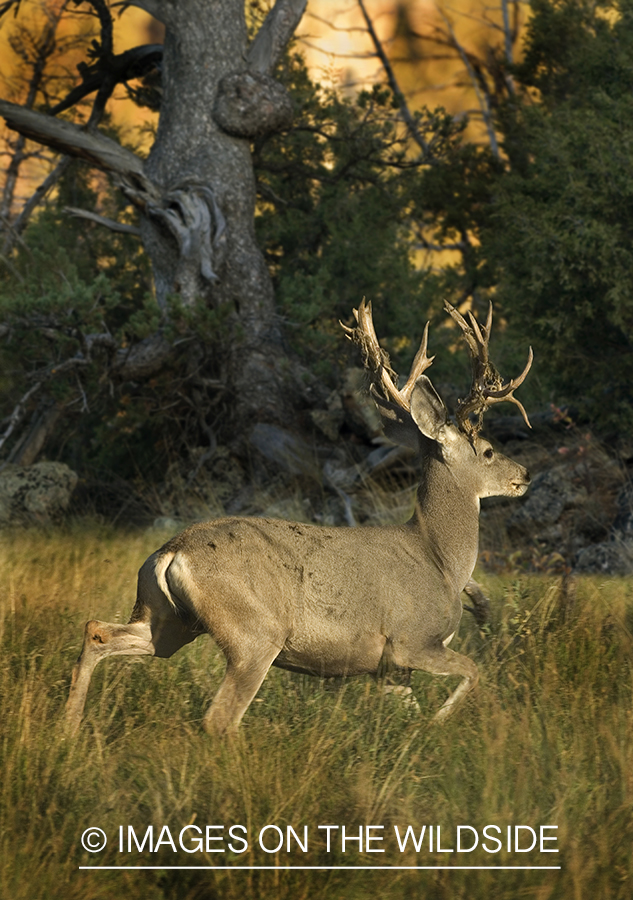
(447, 662)
(103, 639)
(438, 660)
(242, 680)
(481, 604)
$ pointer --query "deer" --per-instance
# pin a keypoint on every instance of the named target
(333, 600)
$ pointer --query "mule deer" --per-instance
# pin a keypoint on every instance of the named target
(325, 600)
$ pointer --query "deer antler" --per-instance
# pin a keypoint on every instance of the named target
(377, 360)
(487, 385)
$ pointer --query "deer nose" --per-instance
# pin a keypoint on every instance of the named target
(521, 484)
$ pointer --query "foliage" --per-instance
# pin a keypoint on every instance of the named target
(67, 282)
(347, 207)
(339, 194)
(560, 228)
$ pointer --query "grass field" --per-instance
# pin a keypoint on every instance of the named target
(546, 740)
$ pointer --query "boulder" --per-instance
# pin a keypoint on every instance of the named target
(37, 494)
(613, 557)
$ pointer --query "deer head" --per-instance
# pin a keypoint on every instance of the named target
(417, 409)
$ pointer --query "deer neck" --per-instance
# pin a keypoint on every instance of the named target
(446, 522)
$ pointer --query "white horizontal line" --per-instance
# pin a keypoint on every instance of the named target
(321, 868)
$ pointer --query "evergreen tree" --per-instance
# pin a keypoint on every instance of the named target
(560, 228)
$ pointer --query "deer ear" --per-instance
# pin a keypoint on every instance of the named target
(427, 409)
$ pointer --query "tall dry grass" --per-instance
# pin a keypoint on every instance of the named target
(546, 740)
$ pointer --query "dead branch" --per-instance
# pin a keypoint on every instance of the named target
(95, 148)
(18, 413)
(102, 220)
(33, 202)
(478, 82)
(405, 112)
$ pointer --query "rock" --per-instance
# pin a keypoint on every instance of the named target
(37, 494)
(361, 415)
(292, 509)
(166, 523)
(623, 522)
(613, 557)
(550, 493)
(199, 486)
(341, 477)
(330, 420)
(607, 558)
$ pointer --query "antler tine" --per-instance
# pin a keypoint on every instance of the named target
(487, 385)
(507, 391)
(466, 329)
(489, 319)
(420, 364)
(481, 341)
(375, 357)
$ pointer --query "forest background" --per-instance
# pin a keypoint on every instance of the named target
(520, 193)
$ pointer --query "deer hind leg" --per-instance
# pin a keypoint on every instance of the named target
(441, 661)
(151, 634)
(103, 639)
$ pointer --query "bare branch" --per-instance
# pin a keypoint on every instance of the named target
(7, 262)
(483, 96)
(93, 147)
(405, 112)
(273, 36)
(18, 413)
(33, 202)
(97, 149)
(42, 49)
(104, 76)
(102, 220)
(507, 36)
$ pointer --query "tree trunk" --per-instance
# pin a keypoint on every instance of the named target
(202, 241)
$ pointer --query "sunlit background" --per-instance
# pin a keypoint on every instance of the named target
(437, 50)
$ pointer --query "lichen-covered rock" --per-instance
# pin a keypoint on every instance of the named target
(35, 494)
(288, 451)
(198, 487)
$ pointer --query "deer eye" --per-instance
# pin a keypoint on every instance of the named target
(489, 453)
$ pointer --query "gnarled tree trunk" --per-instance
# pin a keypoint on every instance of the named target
(201, 239)
(196, 190)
